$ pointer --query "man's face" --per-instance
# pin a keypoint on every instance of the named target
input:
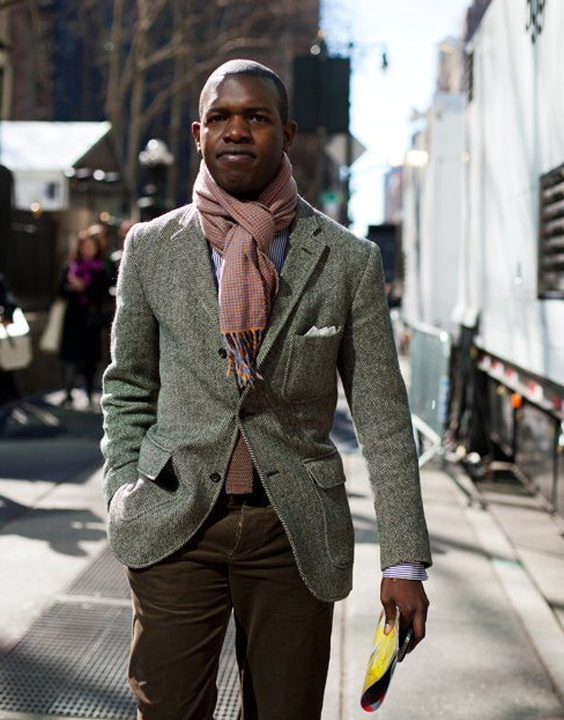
(240, 134)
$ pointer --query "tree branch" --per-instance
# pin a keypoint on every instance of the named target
(205, 66)
(7, 4)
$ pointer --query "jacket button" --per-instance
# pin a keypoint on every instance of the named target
(215, 477)
(222, 352)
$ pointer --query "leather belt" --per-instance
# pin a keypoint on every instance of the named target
(256, 498)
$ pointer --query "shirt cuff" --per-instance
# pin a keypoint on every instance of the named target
(406, 571)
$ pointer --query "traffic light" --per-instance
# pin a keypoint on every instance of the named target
(321, 94)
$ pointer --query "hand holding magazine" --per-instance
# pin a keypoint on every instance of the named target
(386, 653)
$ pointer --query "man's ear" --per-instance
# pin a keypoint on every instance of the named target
(290, 128)
(196, 135)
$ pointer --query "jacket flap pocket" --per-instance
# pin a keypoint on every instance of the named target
(152, 458)
(327, 472)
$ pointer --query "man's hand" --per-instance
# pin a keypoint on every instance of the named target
(409, 596)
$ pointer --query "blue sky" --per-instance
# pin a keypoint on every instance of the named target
(410, 31)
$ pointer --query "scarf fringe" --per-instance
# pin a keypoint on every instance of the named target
(242, 348)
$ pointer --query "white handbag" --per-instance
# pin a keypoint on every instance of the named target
(51, 337)
(15, 343)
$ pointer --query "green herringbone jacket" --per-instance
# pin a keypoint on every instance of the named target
(171, 414)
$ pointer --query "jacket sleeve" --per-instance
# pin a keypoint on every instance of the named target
(377, 398)
(131, 381)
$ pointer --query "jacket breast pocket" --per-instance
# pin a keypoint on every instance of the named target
(311, 371)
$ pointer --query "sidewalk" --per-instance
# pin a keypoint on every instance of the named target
(494, 650)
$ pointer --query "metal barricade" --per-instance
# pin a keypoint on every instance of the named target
(429, 386)
(429, 394)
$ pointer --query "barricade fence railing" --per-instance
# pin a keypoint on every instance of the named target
(429, 386)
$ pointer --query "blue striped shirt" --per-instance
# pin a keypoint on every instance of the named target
(277, 254)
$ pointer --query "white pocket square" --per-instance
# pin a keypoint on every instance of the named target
(321, 332)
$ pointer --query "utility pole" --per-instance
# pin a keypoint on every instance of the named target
(322, 105)
(321, 101)
(319, 51)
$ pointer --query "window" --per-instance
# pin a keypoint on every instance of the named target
(551, 234)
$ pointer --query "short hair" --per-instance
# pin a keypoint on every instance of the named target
(254, 69)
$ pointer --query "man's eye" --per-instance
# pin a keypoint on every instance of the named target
(214, 119)
(257, 117)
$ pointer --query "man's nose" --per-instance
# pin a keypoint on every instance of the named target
(237, 129)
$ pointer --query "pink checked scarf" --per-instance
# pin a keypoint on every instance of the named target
(241, 232)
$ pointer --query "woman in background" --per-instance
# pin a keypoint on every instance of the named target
(84, 284)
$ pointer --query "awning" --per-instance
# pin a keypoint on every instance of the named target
(43, 156)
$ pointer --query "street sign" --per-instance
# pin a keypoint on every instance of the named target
(336, 149)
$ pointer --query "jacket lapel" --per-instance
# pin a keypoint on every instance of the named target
(305, 249)
(192, 251)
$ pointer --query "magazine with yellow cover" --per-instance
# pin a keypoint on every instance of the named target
(381, 664)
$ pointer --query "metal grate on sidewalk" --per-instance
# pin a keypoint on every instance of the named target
(104, 577)
(72, 661)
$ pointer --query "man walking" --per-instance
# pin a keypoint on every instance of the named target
(234, 317)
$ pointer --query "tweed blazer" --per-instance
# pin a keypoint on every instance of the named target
(171, 414)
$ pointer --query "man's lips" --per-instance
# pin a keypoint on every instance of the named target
(236, 154)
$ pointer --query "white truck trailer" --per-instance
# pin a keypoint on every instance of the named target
(506, 312)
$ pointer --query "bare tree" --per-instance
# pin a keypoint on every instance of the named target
(7, 4)
(162, 51)
(30, 45)
(180, 68)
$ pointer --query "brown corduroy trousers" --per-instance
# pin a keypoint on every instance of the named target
(240, 560)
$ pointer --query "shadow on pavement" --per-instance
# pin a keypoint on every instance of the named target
(40, 440)
(63, 529)
(441, 544)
